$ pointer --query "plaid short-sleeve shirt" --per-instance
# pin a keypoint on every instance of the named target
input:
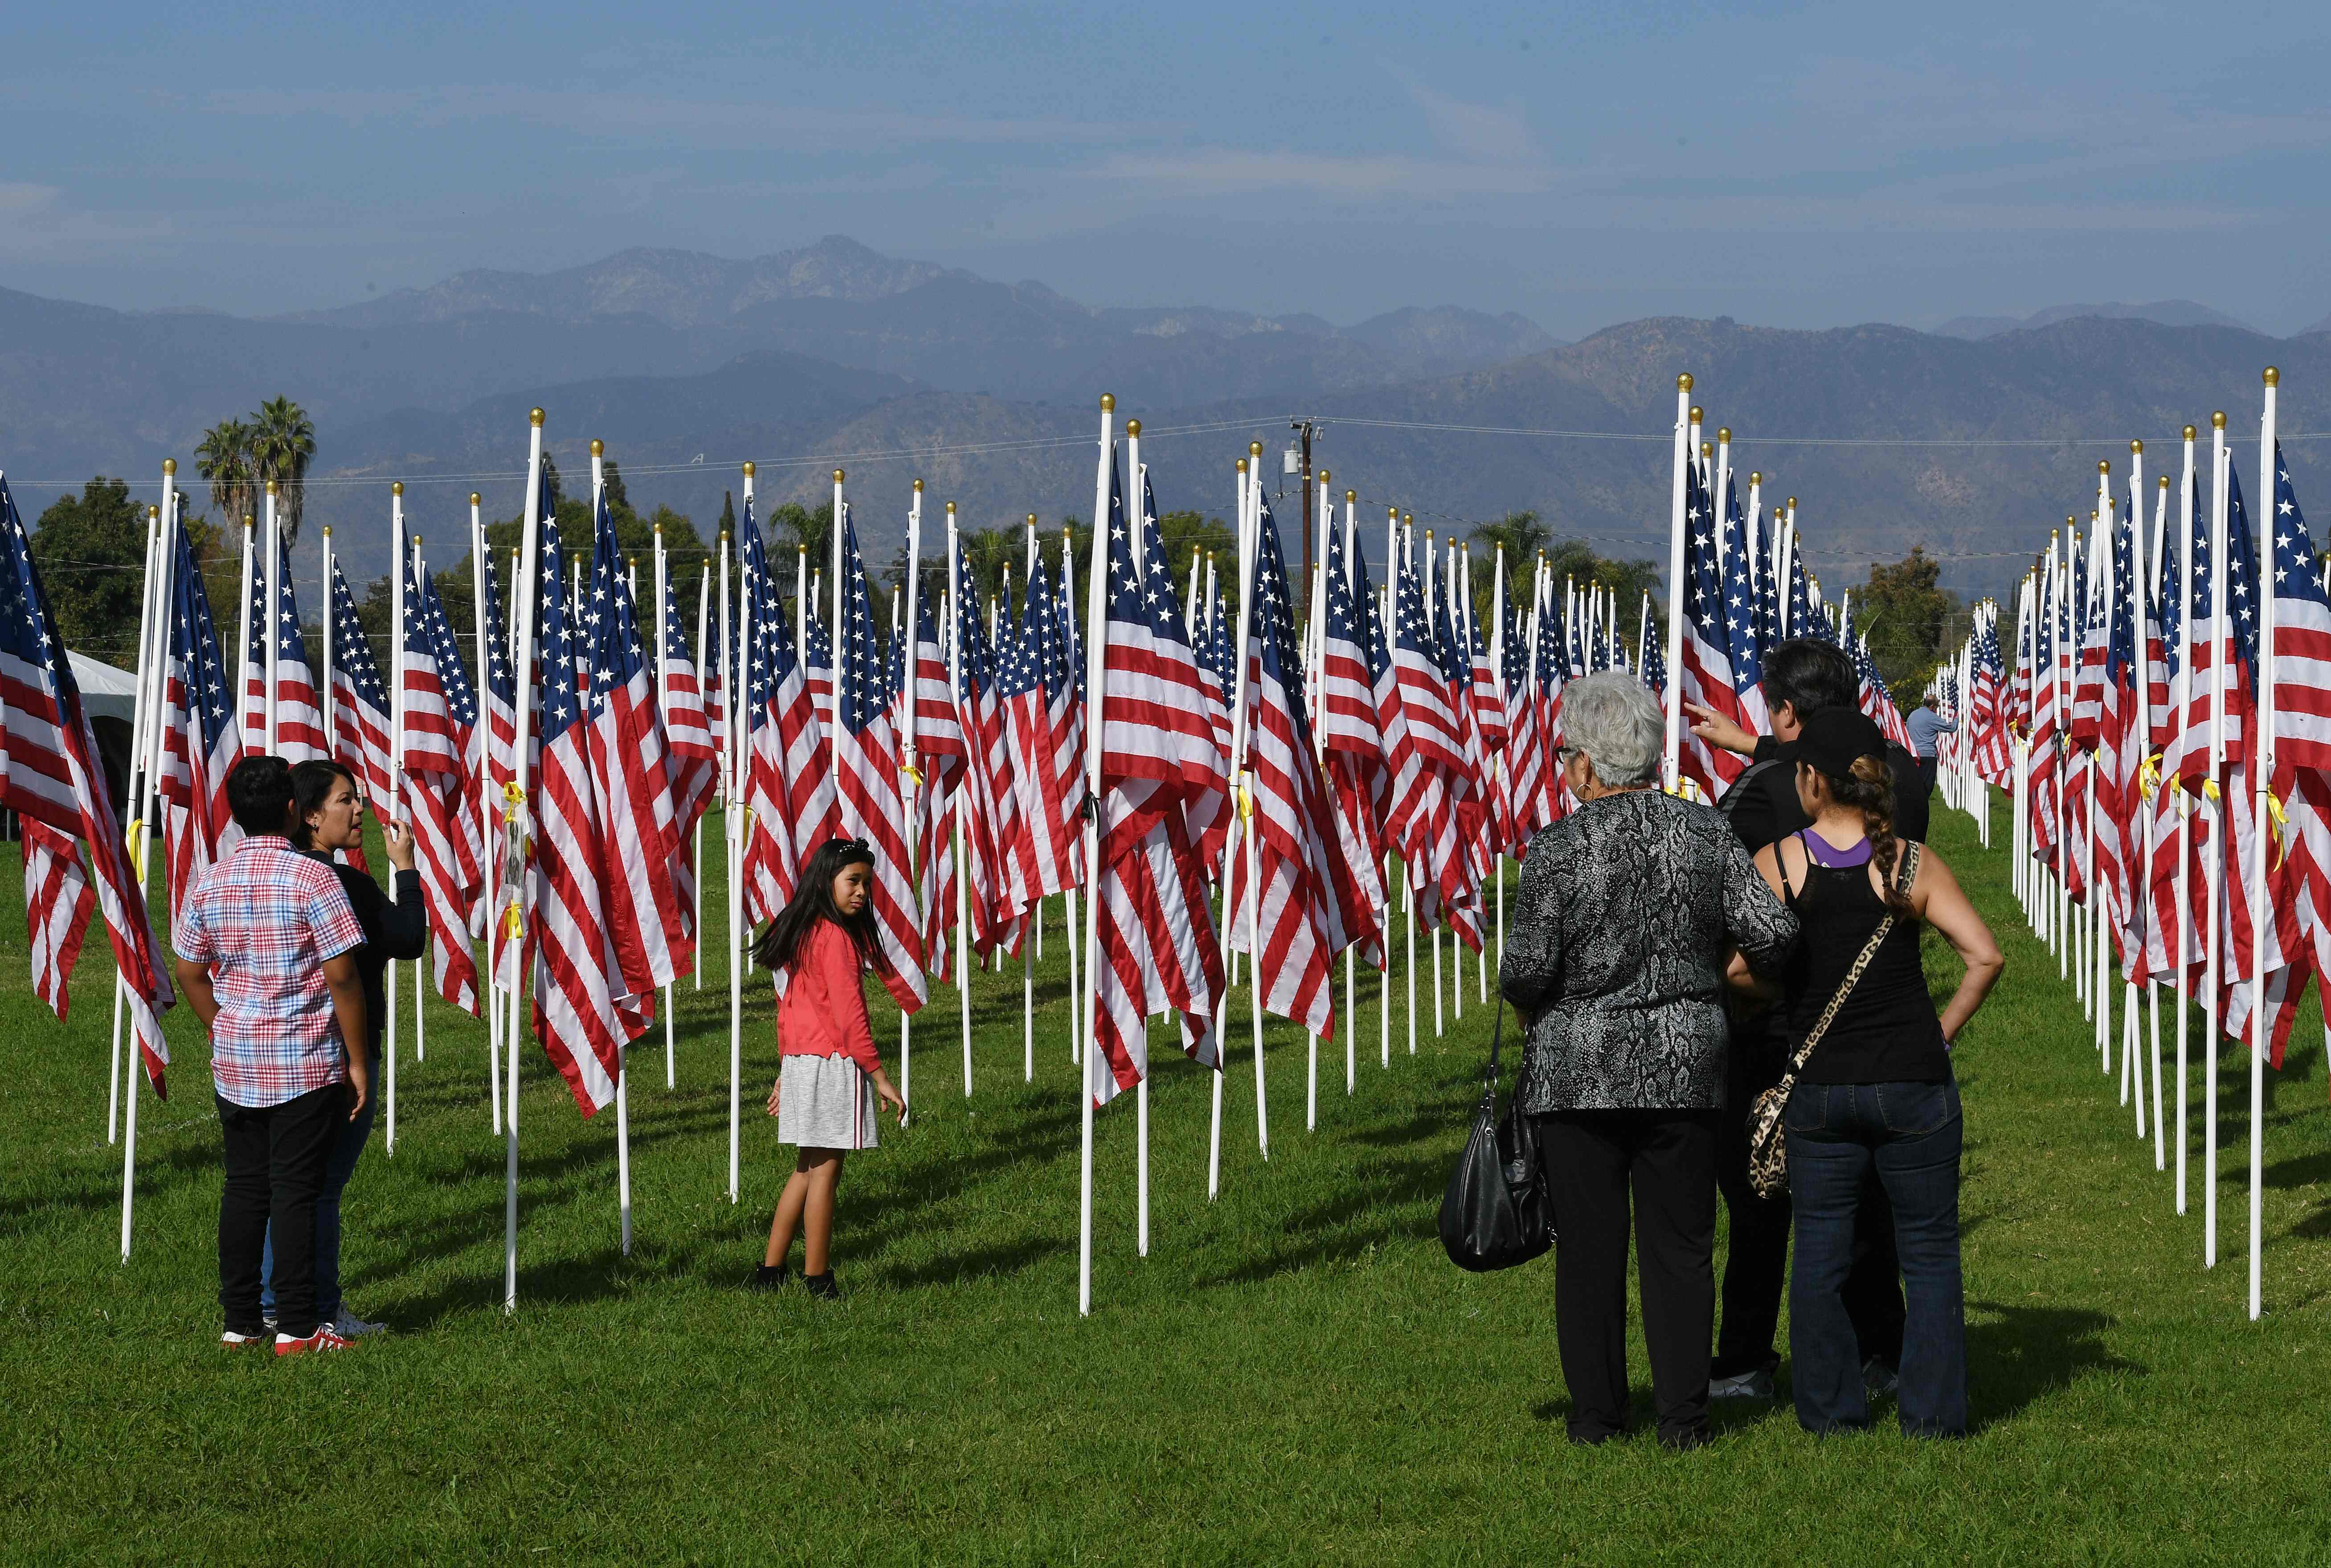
(264, 921)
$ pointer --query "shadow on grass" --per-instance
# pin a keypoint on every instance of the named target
(977, 1263)
(1387, 1193)
(2029, 1352)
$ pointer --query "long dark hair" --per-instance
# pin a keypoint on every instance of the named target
(311, 787)
(813, 901)
(1871, 791)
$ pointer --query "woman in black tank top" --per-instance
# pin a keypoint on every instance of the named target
(1876, 1088)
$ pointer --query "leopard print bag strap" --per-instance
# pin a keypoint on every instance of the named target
(1768, 1154)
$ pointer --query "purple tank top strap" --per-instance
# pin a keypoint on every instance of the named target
(1827, 856)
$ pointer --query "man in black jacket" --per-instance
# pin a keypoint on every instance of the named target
(1801, 677)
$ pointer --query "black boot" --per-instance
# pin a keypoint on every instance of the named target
(822, 1286)
(768, 1277)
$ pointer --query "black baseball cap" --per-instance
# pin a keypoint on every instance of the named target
(1831, 740)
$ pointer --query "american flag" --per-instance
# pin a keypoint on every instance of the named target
(631, 781)
(200, 741)
(2173, 938)
(461, 714)
(1307, 899)
(688, 726)
(1034, 689)
(1707, 641)
(500, 735)
(299, 717)
(867, 765)
(1157, 949)
(1155, 930)
(1986, 702)
(789, 777)
(1210, 825)
(939, 754)
(2245, 923)
(1422, 744)
(1551, 678)
(577, 972)
(58, 903)
(2119, 752)
(359, 702)
(2047, 729)
(1524, 761)
(50, 773)
(1349, 727)
(435, 746)
(1744, 641)
(1655, 660)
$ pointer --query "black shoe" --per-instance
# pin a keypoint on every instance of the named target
(822, 1286)
(766, 1276)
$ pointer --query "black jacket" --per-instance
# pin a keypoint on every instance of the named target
(397, 930)
(1762, 803)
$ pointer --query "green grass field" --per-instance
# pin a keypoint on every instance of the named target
(1295, 1372)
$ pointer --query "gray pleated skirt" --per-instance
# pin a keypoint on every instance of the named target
(826, 1102)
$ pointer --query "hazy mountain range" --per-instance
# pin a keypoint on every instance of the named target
(688, 363)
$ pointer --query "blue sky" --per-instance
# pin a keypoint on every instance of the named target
(1808, 165)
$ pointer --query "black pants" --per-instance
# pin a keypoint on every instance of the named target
(275, 1158)
(1756, 1256)
(1594, 1161)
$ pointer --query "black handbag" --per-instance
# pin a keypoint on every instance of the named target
(1496, 1211)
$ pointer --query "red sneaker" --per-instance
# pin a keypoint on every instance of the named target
(325, 1338)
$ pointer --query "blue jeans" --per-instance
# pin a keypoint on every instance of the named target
(347, 1145)
(1911, 1132)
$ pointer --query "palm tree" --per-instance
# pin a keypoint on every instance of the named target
(282, 441)
(223, 459)
(1523, 536)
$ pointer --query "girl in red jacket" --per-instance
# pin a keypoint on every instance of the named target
(825, 1097)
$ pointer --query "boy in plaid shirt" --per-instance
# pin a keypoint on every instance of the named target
(265, 945)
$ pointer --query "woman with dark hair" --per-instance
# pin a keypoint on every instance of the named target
(328, 816)
(1876, 1088)
(819, 945)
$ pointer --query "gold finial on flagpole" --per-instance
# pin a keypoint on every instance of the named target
(475, 497)
(1132, 427)
(837, 476)
(1707, 449)
(1792, 503)
(271, 490)
(248, 520)
(328, 530)
(1108, 400)
(1724, 433)
(1254, 450)
(169, 466)
(1242, 465)
(1755, 476)
(598, 447)
(2104, 465)
(748, 470)
(950, 508)
(2271, 377)
(2135, 448)
(2190, 433)
(918, 487)
(1698, 414)
(394, 488)
(2164, 482)
(534, 418)
(2218, 420)
(1351, 498)
(1683, 382)
(1032, 519)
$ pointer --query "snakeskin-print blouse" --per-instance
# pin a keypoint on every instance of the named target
(1629, 908)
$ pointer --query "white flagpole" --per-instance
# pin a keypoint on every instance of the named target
(1088, 999)
(735, 637)
(420, 969)
(489, 865)
(1677, 457)
(1077, 1037)
(1402, 541)
(910, 757)
(623, 1050)
(2181, 691)
(1351, 1004)
(130, 1069)
(2213, 867)
(2261, 786)
(662, 569)
(1431, 605)
(396, 774)
(972, 759)
(525, 590)
(1222, 920)
(706, 662)
(270, 567)
(144, 717)
(1250, 530)
(1096, 672)
(2146, 587)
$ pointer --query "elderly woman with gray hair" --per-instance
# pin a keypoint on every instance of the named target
(1630, 909)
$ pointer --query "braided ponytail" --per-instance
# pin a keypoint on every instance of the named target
(1871, 791)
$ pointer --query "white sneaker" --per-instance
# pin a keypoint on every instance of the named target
(349, 1326)
(1755, 1385)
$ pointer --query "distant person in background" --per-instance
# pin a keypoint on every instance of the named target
(1803, 677)
(266, 946)
(331, 817)
(1632, 907)
(1926, 722)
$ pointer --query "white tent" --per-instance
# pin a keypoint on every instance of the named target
(105, 692)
